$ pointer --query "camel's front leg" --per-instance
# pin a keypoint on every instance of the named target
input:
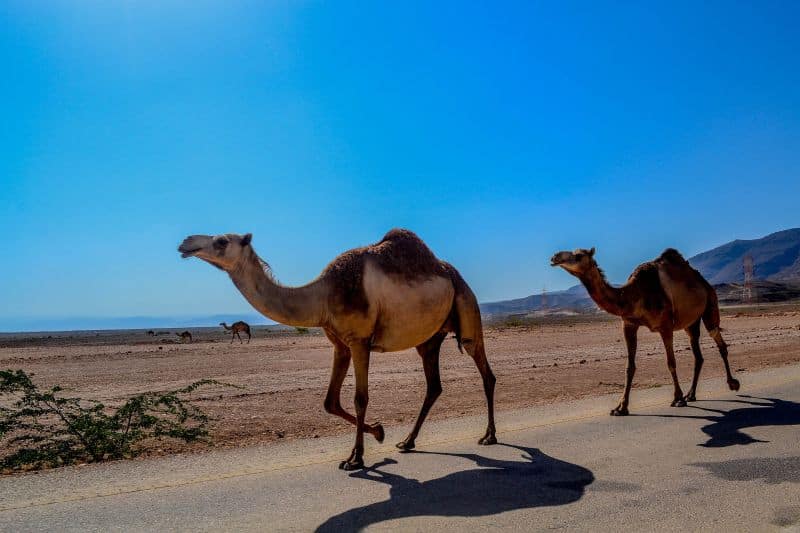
(341, 362)
(678, 401)
(630, 331)
(694, 341)
(360, 355)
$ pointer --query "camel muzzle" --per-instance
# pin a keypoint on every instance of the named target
(192, 245)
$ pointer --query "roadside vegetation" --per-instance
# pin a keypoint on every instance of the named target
(45, 428)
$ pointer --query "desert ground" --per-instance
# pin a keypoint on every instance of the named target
(283, 375)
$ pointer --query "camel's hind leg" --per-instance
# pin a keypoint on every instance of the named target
(694, 340)
(711, 322)
(429, 351)
(476, 350)
(470, 333)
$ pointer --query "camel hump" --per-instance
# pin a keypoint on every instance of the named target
(402, 252)
(673, 256)
(402, 235)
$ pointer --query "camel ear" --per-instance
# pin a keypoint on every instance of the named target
(591, 252)
(246, 239)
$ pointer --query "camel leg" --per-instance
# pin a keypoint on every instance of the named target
(711, 321)
(694, 340)
(429, 351)
(233, 336)
(629, 331)
(360, 355)
(478, 354)
(239, 336)
(249, 336)
(341, 362)
(666, 337)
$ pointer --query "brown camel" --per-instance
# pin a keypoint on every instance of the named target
(237, 327)
(386, 297)
(665, 295)
(185, 336)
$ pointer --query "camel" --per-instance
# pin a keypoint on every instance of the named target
(235, 328)
(151, 333)
(185, 336)
(385, 297)
(664, 295)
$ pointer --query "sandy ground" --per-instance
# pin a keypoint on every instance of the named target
(284, 376)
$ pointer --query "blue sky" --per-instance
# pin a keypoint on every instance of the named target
(500, 133)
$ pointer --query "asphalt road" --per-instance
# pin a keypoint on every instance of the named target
(730, 462)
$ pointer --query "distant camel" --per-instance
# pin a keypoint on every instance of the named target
(389, 296)
(664, 295)
(236, 328)
(185, 336)
(151, 333)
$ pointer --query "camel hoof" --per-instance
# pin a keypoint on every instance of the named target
(406, 445)
(619, 411)
(351, 464)
(379, 434)
(690, 398)
(680, 402)
(488, 440)
(733, 384)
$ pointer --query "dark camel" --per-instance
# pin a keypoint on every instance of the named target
(185, 336)
(237, 327)
(389, 296)
(664, 295)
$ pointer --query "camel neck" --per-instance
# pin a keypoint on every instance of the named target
(293, 306)
(607, 297)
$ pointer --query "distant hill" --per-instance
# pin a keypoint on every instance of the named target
(575, 298)
(776, 258)
(16, 324)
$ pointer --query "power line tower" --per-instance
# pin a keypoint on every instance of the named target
(749, 272)
(544, 297)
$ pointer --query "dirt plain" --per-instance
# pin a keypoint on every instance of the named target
(284, 375)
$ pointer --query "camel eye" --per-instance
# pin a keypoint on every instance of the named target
(220, 243)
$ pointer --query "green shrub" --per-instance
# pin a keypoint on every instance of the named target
(44, 429)
(301, 331)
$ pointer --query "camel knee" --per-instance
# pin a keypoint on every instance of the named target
(331, 405)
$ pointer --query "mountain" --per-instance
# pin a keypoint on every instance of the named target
(575, 298)
(776, 257)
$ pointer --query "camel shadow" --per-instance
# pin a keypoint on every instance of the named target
(726, 427)
(494, 487)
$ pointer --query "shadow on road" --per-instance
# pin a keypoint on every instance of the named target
(495, 487)
(770, 469)
(726, 427)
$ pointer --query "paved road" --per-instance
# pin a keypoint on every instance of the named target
(728, 463)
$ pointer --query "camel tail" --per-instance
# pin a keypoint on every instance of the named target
(466, 314)
(711, 318)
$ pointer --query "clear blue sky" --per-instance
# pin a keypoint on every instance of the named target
(498, 132)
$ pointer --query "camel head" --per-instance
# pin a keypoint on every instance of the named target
(576, 263)
(222, 251)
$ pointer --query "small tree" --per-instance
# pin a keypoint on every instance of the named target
(43, 428)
